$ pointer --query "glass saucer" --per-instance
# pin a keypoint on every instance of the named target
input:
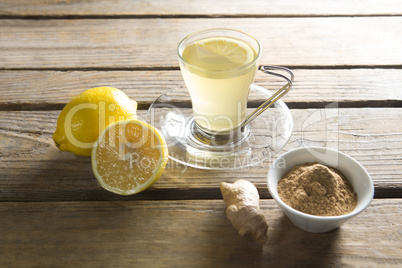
(171, 113)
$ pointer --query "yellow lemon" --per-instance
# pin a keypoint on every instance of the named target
(86, 116)
(129, 156)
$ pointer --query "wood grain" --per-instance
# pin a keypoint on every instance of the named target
(151, 43)
(38, 90)
(33, 169)
(198, 8)
(347, 59)
(187, 233)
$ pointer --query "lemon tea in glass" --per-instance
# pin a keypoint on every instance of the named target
(218, 67)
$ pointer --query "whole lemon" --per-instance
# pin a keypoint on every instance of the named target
(88, 114)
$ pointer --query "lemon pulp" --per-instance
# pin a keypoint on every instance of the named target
(129, 156)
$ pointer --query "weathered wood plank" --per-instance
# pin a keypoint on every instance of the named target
(198, 8)
(187, 233)
(33, 169)
(151, 43)
(28, 90)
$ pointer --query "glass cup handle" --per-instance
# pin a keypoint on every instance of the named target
(279, 94)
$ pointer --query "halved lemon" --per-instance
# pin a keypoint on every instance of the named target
(129, 156)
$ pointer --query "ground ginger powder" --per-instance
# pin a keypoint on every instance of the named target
(316, 189)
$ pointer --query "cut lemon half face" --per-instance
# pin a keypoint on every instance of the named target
(129, 156)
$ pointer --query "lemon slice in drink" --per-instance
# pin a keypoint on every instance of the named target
(237, 52)
(129, 156)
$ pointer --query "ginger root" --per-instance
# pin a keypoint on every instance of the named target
(243, 210)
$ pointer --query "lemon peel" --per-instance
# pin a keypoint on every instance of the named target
(87, 115)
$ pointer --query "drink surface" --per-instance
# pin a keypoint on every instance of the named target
(219, 53)
(218, 72)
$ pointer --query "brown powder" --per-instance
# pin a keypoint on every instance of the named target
(316, 189)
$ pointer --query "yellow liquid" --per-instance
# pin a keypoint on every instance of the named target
(219, 81)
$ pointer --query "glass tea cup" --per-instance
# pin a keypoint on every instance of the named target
(218, 66)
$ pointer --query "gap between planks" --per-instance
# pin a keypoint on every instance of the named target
(21, 106)
(175, 68)
(189, 16)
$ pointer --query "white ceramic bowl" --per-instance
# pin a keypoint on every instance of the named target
(355, 173)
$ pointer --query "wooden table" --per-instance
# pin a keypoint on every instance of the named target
(53, 213)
